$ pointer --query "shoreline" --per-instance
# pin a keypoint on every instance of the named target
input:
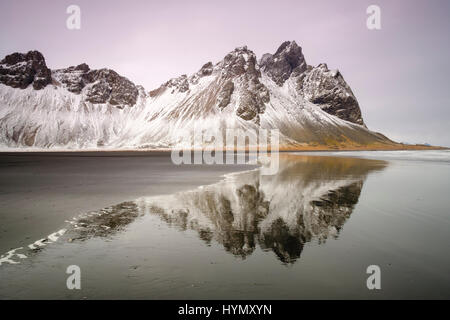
(397, 147)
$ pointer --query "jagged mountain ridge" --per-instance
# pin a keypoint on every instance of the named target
(78, 108)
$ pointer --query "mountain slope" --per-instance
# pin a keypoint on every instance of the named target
(79, 108)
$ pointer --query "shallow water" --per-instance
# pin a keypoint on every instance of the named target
(310, 231)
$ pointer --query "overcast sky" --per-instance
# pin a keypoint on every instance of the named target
(400, 74)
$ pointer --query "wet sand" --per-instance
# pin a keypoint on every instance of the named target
(39, 191)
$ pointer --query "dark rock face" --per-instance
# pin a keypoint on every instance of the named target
(206, 69)
(73, 78)
(287, 60)
(323, 87)
(225, 94)
(253, 100)
(111, 87)
(241, 65)
(241, 61)
(330, 92)
(19, 70)
(101, 86)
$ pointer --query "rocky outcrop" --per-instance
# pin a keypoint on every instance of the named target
(73, 78)
(19, 70)
(241, 66)
(241, 61)
(330, 92)
(99, 86)
(326, 89)
(287, 60)
(179, 84)
(252, 102)
(224, 97)
(205, 70)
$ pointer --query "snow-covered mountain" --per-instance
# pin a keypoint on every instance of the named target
(80, 108)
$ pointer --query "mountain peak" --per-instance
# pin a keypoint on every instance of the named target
(286, 60)
(288, 46)
(241, 49)
(239, 61)
(19, 70)
(328, 90)
(100, 86)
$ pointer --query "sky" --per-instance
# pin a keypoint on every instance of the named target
(399, 74)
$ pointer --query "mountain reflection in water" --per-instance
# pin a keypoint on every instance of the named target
(311, 197)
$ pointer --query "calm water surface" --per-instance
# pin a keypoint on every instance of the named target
(310, 231)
